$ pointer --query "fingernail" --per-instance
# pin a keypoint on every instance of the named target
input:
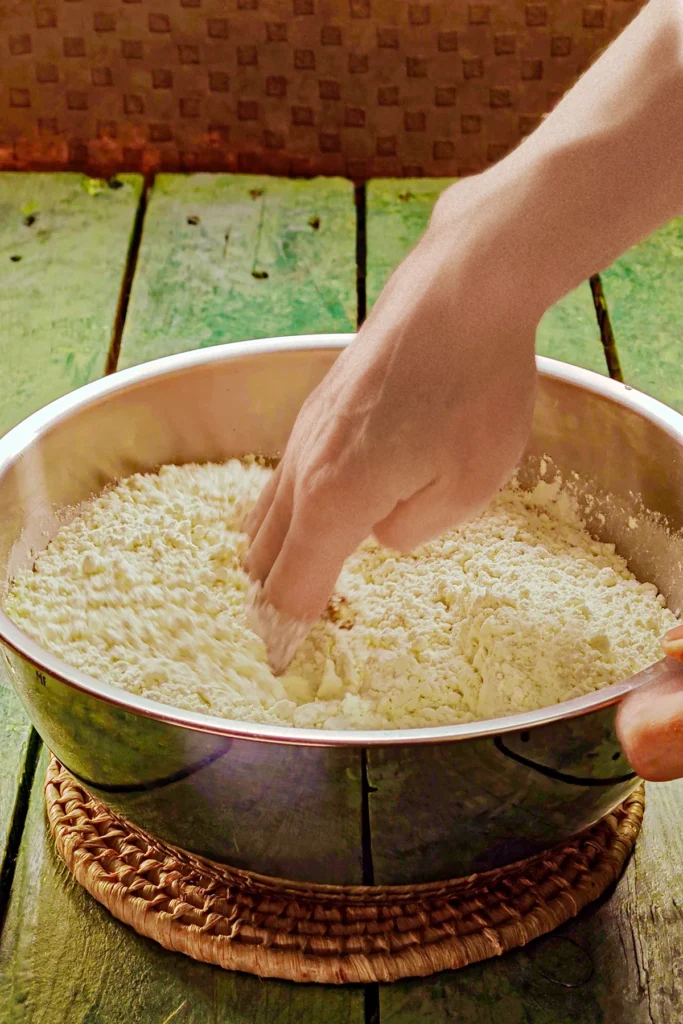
(672, 643)
(281, 633)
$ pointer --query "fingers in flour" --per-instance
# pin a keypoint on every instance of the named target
(253, 522)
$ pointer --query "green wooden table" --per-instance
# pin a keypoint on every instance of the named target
(95, 276)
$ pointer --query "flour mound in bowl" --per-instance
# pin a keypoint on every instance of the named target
(517, 610)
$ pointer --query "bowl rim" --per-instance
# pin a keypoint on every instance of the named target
(20, 438)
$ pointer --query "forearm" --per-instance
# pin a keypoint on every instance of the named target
(606, 166)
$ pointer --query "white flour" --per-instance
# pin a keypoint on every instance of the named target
(517, 610)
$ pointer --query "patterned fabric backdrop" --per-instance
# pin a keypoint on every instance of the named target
(356, 87)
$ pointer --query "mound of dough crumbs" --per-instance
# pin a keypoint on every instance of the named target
(517, 610)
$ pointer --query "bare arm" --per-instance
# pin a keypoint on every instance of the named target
(605, 168)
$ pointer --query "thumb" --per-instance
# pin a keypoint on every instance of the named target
(650, 719)
(672, 643)
(431, 511)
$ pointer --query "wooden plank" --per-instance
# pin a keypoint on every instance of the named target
(643, 291)
(64, 240)
(398, 212)
(619, 960)
(228, 257)
(64, 958)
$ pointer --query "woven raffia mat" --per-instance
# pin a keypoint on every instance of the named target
(331, 934)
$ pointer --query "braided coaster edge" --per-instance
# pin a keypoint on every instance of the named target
(327, 934)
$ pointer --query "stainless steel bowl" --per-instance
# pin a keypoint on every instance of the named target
(338, 807)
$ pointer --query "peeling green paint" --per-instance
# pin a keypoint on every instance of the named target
(229, 257)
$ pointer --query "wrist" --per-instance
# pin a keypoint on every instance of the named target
(504, 212)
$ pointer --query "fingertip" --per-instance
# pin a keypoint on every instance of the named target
(651, 759)
(672, 643)
(281, 634)
(649, 726)
(416, 520)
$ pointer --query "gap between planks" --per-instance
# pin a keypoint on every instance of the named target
(361, 254)
(114, 352)
(18, 821)
(609, 342)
